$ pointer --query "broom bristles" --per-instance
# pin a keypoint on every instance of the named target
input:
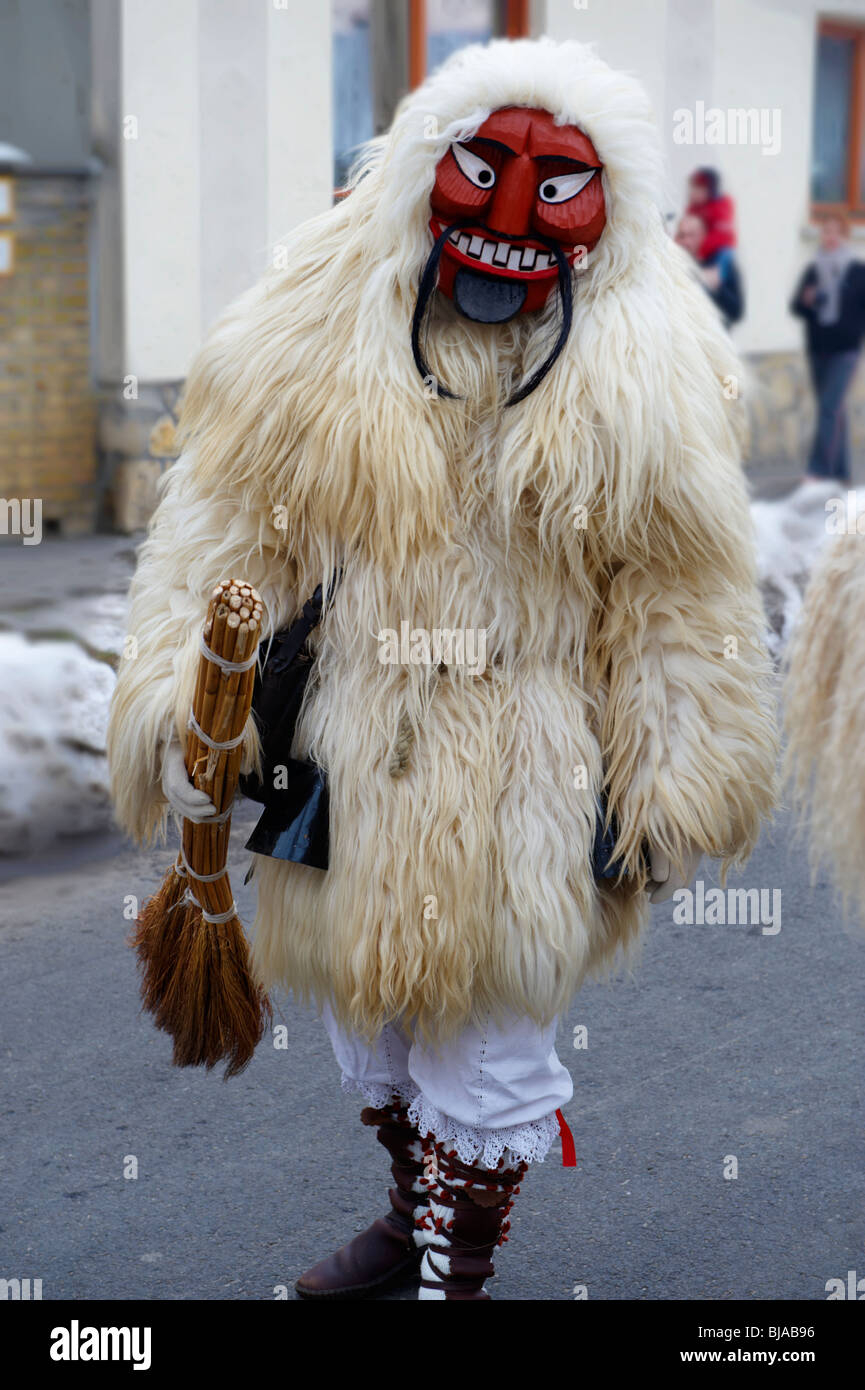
(196, 982)
(156, 928)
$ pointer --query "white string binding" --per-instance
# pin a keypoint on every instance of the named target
(210, 820)
(216, 919)
(202, 878)
(209, 742)
(222, 663)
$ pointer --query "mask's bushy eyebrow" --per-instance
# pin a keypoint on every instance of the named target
(578, 166)
(485, 140)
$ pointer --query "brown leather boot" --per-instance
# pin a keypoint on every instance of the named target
(466, 1220)
(385, 1255)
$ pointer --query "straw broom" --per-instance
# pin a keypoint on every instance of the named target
(196, 980)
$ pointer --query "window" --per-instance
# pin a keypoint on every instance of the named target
(352, 83)
(838, 161)
(451, 24)
(383, 48)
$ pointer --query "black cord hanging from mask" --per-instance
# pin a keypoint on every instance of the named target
(424, 295)
(427, 285)
(566, 300)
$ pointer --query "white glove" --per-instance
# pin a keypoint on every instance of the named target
(177, 789)
(663, 884)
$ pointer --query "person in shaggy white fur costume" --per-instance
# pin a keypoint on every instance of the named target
(824, 712)
(486, 390)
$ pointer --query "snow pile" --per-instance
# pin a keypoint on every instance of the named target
(790, 534)
(58, 677)
(53, 717)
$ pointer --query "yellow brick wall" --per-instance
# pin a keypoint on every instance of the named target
(47, 403)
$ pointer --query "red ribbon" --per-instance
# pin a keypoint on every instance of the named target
(569, 1153)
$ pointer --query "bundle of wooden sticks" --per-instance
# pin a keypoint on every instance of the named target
(196, 979)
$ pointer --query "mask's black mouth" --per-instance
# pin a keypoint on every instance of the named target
(488, 299)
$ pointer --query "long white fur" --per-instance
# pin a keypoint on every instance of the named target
(606, 645)
(824, 715)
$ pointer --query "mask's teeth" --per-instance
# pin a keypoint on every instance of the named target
(501, 253)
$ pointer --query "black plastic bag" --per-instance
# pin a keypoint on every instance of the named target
(295, 823)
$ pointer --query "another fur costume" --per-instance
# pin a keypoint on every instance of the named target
(825, 714)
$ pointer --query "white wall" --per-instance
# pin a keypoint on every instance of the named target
(764, 57)
(630, 34)
(233, 103)
(299, 125)
(232, 57)
(161, 188)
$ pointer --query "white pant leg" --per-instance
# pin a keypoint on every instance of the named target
(378, 1071)
(490, 1090)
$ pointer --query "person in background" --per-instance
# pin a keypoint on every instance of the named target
(718, 270)
(831, 299)
(716, 211)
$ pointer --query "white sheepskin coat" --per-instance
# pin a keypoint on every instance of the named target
(598, 532)
(824, 715)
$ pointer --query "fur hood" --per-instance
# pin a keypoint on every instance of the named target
(308, 395)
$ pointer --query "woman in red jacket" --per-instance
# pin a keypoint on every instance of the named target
(716, 210)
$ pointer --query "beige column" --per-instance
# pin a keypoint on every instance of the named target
(299, 148)
(160, 181)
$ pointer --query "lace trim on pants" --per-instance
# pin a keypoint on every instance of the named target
(527, 1143)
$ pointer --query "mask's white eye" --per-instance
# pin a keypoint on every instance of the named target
(564, 186)
(481, 174)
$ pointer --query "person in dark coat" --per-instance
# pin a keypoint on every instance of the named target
(718, 270)
(830, 298)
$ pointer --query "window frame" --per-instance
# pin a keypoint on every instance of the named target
(854, 204)
(515, 23)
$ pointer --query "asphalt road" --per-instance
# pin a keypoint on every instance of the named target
(725, 1042)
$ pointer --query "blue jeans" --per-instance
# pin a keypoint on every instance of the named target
(831, 373)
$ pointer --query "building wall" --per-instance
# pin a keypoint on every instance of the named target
(47, 410)
(226, 108)
(217, 142)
